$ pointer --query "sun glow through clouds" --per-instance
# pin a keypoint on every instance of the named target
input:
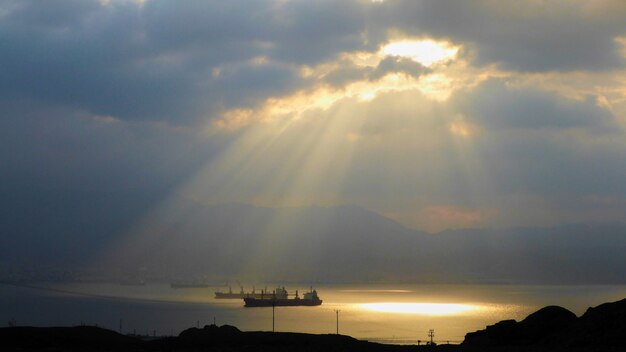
(460, 128)
(420, 308)
(426, 52)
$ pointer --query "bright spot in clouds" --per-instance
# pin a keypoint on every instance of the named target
(426, 52)
(419, 308)
(460, 128)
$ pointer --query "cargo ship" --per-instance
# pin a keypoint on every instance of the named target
(279, 298)
(241, 294)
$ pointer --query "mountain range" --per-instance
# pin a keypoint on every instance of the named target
(352, 244)
(308, 244)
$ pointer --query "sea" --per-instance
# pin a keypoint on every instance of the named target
(386, 313)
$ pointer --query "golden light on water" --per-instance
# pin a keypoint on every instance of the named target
(420, 308)
(426, 52)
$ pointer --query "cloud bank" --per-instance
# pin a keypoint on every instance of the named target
(282, 103)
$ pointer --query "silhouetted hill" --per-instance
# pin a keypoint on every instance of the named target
(602, 328)
(210, 338)
(605, 324)
(534, 330)
(227, 337)
(80, 338)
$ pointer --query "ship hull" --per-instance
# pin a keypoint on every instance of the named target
(253, 302)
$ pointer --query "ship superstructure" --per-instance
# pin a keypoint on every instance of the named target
(279, 298)
(241, 294)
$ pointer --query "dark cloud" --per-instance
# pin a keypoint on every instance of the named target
(551, 168)
(113, 63)
(157, 61)
(314, 31)
(60, 15)
(249, 84)
(546, 36)
(105, 97)
(495, 105)
(57, 148)
(400, 65)
(349, 72)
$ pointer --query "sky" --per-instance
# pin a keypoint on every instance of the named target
(436, 114)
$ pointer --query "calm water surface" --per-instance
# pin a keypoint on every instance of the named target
(384, 313)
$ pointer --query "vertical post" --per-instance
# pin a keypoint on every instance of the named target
(337, 313)
(431, 334)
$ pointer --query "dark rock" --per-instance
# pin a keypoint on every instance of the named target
(602, 328)
(551, 317)
(539, 327)
(494, 335)
(85, 338)
(604, 325)
(536, 329)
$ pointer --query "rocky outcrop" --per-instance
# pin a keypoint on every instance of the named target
(604, 325)
(79, 338)
(553, 328)
(536, 329)
(229, 338)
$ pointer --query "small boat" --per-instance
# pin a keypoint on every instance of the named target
(279, 298)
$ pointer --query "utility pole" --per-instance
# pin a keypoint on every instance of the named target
(273, 306)
(337, 313)
(431, 334)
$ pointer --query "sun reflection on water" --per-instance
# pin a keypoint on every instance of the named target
(439, 309)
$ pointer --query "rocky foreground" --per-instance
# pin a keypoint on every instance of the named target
(553, 328)
(602, 328)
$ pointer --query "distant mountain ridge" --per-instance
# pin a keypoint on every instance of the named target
(111, 232)
(352, 244)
